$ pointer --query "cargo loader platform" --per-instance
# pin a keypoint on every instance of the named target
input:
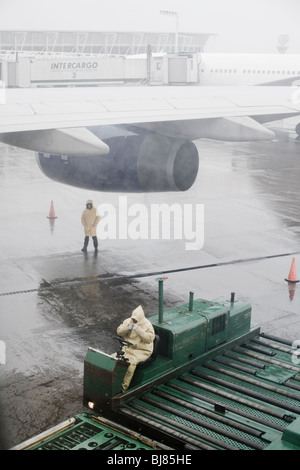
(217, 382)
(247, 397)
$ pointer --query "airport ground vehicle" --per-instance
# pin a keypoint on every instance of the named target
(215, 382)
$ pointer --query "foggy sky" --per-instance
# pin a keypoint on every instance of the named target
(240, 25)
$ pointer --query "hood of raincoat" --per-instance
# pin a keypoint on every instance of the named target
(89, 201)
(138, 315)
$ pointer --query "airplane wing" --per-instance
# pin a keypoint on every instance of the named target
(54, 109)
(139, 120)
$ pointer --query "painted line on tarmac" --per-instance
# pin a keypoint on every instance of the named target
(72, 284)
(213, 265)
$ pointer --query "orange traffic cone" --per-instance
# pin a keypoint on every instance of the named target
(292, 276)
(51, 212)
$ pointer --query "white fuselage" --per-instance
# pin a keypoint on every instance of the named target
(248, 69)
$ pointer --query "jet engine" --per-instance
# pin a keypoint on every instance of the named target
(137, 161)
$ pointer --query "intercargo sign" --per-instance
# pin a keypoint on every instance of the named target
(86, 70)
(74, 65)
(67, 70)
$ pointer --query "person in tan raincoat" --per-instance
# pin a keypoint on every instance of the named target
(139, 331)
(90, 219)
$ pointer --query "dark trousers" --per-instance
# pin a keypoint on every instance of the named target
(86, 242)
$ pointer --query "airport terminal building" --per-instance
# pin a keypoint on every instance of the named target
(98, 43)
(45, 58)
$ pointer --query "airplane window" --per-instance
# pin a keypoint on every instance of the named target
(254, 71)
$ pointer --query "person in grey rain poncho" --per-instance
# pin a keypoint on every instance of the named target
(90, 219)
(139, 331)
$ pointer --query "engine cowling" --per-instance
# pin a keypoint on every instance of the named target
(137, 161)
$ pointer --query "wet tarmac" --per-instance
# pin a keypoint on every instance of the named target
(55, 301)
